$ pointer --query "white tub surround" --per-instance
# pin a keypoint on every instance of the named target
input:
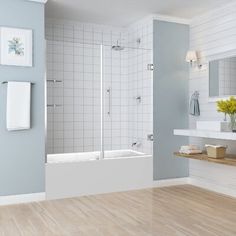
(91, 156)
(91, 176)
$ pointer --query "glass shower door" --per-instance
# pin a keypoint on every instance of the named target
(127, 94)
(91, 98)
(115, 100)
(74, 97)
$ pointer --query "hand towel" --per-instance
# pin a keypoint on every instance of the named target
(18, 105)
(194, 105)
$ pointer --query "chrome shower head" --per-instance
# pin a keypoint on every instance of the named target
(117, 47)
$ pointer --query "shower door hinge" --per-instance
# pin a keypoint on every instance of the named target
(150, 67)
(150, 137)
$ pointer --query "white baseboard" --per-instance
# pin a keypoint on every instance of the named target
(22, 198)
(170, 182)
(34, 197)
(197, 183)
(212, 187)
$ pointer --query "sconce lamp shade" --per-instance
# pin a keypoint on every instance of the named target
(191, 56)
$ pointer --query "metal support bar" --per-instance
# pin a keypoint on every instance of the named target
(54, 81)
(109, 101)
(54, 105)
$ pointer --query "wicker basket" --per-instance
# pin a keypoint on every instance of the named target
(216, 151)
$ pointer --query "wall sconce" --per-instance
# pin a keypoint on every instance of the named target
(192, 59)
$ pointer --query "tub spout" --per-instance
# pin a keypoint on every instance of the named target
(136, 144)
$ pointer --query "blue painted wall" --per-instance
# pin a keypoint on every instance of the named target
(22, 153)
(170, 84)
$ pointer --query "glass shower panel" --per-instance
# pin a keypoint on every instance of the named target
(127, 101)
(115, 100)
(140, 89)
(92, 98)
(73, 97)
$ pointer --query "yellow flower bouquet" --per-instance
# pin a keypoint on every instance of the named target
(228, 107)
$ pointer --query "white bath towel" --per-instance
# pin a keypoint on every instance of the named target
(18, 105)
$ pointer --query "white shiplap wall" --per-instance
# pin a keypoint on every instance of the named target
(212, 34)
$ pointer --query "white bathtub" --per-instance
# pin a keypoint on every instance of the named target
(79, 174)
(91, 156)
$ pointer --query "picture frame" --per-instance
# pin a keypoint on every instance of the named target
(16, 47)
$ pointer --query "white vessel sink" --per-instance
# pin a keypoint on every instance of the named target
(219, 126)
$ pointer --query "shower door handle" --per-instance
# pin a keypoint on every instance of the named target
(109, 101)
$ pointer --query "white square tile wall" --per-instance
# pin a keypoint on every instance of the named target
(73, 56)
(140, 84)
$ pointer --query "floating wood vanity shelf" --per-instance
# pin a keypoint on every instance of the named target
(228, 160)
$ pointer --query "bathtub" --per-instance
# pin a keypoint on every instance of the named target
(91, 156)
(80, 174)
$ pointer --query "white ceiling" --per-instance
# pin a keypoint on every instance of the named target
(124, 12)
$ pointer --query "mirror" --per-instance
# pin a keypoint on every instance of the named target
(222, 77)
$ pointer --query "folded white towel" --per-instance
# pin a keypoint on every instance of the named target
(18, 105)
(189, 152)
(189, 147)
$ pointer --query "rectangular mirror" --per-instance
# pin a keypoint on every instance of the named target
(222, 77)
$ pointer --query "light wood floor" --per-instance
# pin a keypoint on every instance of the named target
(180, 210)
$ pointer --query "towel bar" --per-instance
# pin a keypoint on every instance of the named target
(54, 105)
(54, 81)
(5, 82)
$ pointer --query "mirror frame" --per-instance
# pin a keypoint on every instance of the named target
(214, 57)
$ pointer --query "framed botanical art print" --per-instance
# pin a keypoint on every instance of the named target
(15, 46)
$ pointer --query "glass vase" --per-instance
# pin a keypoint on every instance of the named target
(232, 122)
